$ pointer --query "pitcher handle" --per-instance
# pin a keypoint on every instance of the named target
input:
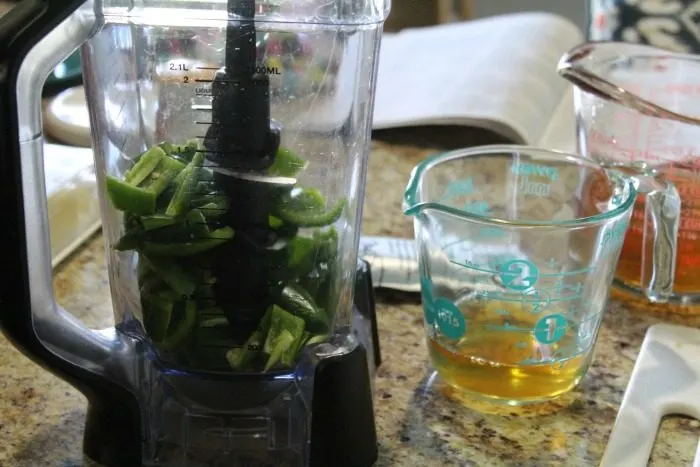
(661, 220)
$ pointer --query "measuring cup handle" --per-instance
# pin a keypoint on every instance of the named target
(661, 221)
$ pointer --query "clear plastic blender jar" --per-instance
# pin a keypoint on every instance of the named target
(230, 146)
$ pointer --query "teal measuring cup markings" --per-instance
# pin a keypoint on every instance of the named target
(517, 250)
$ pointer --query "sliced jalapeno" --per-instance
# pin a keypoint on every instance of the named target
(185, 187)
(144, 166)
(129, 198)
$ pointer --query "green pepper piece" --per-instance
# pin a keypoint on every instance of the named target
(192, 227)
(274, 222)
(211, 210)
(214, 322)
(282, 320)
(204, 187)
(156, 221)
(287, 164)
(215, 239)
(317, 339)
(128, 198)
(146, 164)
(240, 356)
(173, 275)
(290, 355)
(304, 199)
(283, 342)
(168, 147)
(180, 202)
(303, 253)
(194, 145)
(197, 224)
(208, 199)
(159, 180)
(301, 248)
(306, 209)
(297, 301)
(179, 330)
(158, 311)
(328, 244)
(285, 329)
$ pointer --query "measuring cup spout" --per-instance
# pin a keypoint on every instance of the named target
(580, 66)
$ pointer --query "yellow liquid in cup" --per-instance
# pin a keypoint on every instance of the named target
(488, 362)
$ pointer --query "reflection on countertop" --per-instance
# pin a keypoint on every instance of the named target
(41, 417)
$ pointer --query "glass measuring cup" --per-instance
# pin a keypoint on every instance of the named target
(517, 250)
(637, 104)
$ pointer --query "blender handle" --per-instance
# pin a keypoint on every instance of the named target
(35, 35)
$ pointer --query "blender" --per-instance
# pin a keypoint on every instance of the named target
(231, 201)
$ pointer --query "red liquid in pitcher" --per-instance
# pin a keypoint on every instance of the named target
(686, 178)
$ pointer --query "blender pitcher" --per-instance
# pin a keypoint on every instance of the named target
(230, 143)
(637, 106)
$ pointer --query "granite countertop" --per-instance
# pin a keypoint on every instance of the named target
(41, 416)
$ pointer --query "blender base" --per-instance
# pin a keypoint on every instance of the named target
(342, 431)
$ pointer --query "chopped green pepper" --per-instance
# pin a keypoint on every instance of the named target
(301, 254)
(305, 208)
(288, 357)
(185, 187)
(157, 312)
(282, 343)
(240, 356)
(172, 274)
(285, 329)
(317, 339)
(192, 227)
(211, 210)
(146, 164)
(172, 221)
(214, 322)
(160, 178)
(303, 199)
(168, 147)
(274, 222)
(180, 330)
(297, 301)
(129, 198)
(215, 238)
(156, 221)
(287, 164)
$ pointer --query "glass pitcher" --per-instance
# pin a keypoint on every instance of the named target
(637, 106)
(230, 145)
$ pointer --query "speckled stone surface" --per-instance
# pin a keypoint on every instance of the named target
(41, 416)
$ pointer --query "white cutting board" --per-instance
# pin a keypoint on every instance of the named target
(665, 380)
